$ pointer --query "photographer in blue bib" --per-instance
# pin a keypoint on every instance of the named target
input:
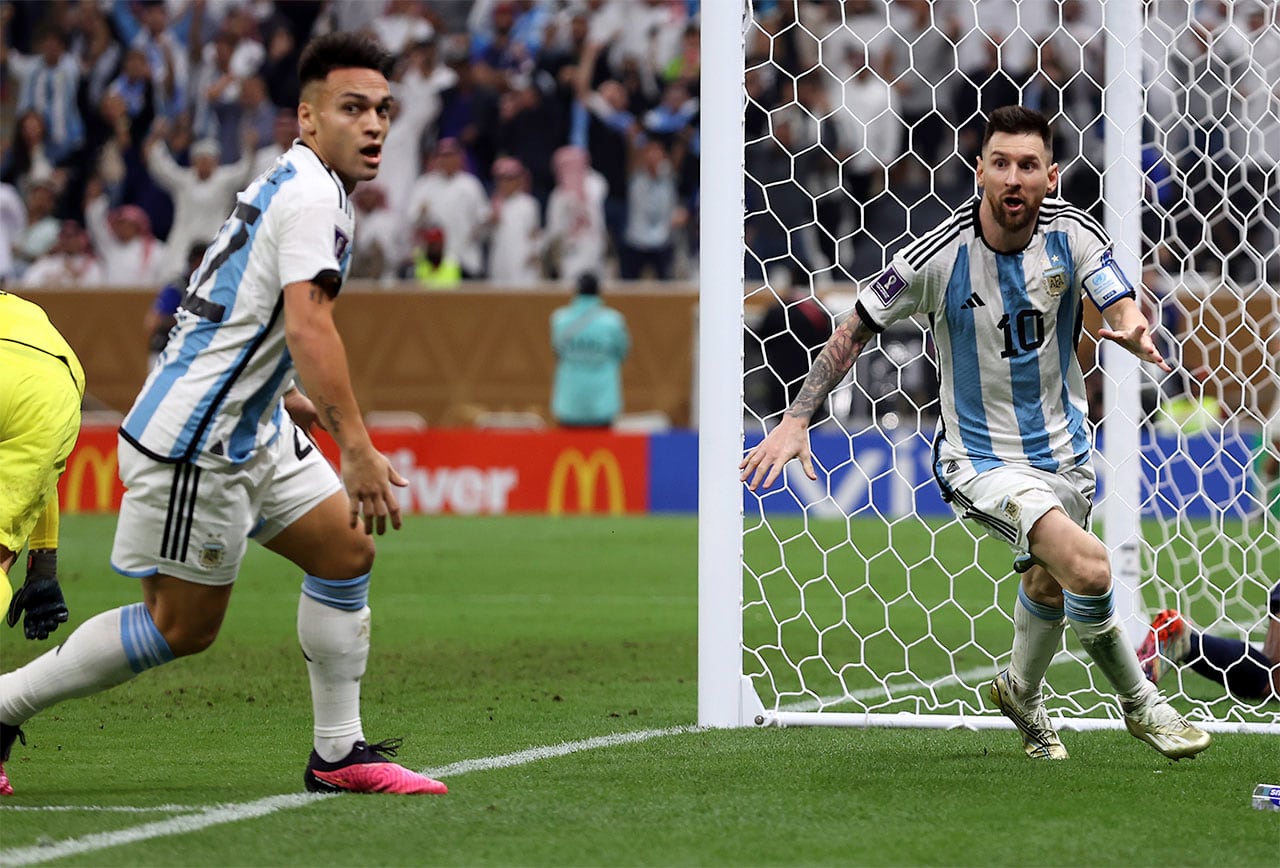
(591, 341)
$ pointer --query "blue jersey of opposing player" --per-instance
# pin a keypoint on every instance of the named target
(1006, 327)
(214, 396)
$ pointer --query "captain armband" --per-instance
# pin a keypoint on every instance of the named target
(1107, 284)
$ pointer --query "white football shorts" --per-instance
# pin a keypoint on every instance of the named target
(1007, 501)
(193, 522)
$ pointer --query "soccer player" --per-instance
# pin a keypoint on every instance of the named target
(1001, 281)
(1248, 672)
(210, 455)
(40, 395)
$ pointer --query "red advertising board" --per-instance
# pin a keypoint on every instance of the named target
(463, 472)
(91, 482)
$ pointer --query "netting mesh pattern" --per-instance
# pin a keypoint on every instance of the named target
(863, 119)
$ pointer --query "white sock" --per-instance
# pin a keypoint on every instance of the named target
(106, 650)
(1096, 625)
(336, 645)
(1037, 636)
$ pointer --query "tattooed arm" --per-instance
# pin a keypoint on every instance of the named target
(790, 439)
(836, 359)
(321, 360)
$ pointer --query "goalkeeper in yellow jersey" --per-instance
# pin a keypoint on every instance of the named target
(41, 388)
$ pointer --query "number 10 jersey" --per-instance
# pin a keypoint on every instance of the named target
(1005, 326)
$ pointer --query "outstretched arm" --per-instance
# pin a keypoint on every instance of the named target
(790, 439)
(1129, 329)
(159, 160)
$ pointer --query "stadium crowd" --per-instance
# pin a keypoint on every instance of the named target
(538, 139)
(531, 139)
(848, 100)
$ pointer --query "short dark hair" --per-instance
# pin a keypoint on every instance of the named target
(1015, 119)
(341, 50)
(588, 284)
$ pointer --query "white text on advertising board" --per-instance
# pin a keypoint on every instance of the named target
(461, 490)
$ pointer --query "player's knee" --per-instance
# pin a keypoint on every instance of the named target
(1091, 572)
(1082, 567)
(1042, 587)
(185, 639)
(353, 559)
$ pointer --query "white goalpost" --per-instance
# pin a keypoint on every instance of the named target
(834, 133)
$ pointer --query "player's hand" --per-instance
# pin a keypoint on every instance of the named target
(790, 439)
(368, 477)
(41, 597)
(1138, 341)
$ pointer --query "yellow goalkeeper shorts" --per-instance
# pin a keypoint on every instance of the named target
(39, 423)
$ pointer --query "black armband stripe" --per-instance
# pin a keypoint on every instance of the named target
(203, 308)
(865, 318)
(330, 280)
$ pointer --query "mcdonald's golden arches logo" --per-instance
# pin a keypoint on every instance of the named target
(101, 465)
(586, 470)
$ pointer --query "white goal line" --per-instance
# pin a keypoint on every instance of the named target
(215, 815)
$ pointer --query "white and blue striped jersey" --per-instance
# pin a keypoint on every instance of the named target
(214, 395)
(1005, 327)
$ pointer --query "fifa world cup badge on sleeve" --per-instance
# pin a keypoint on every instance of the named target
(888, 286)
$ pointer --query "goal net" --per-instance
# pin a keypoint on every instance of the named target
(859, 599)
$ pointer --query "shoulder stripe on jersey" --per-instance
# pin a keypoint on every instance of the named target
(913, 249)
(1049, 213)
(931, 243)
(1062, 206)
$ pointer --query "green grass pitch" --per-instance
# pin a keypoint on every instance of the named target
(497, 636)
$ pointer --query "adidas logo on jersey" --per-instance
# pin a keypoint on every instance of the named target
(973, 301)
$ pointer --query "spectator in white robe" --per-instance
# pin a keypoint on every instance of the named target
(452, 198)
(575, 216)
(203, 194)
(515, 240)
(131, 256)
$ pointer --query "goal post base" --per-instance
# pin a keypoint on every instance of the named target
(976, 722)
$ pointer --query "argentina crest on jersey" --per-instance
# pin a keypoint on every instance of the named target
(1054, 279)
